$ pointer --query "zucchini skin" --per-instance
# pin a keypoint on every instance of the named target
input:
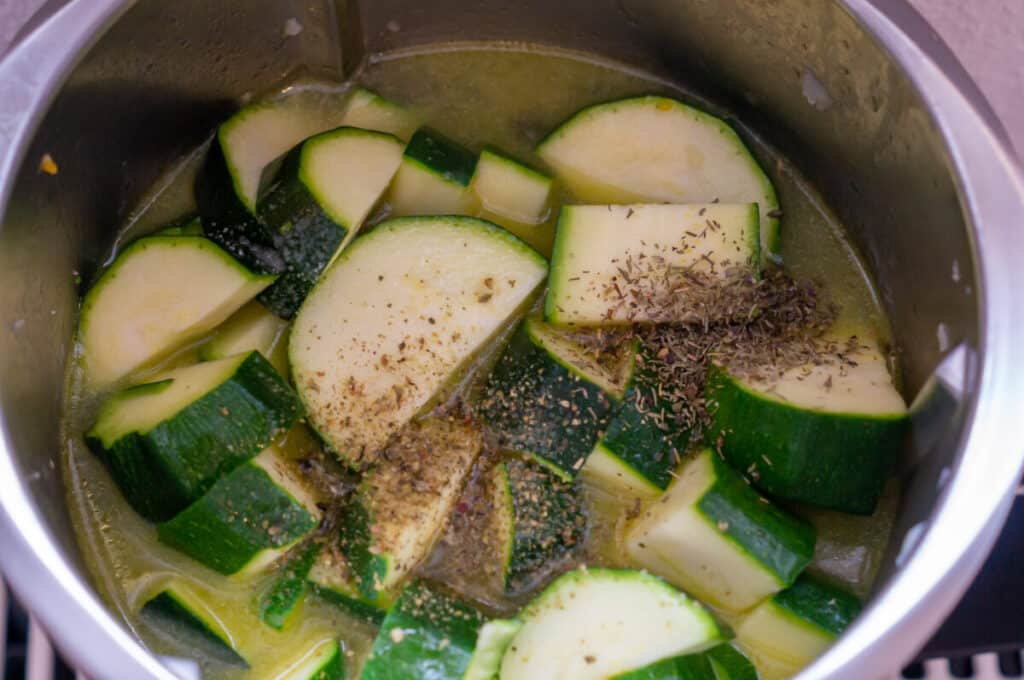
(729, 664)
(441, 156)
(357, 608)
(162, 471)
(689, 667)
(167, 611)
(832, 460)
(426, 635)
(537, 406)
(368, 568)
(278, 603)
(826, 607)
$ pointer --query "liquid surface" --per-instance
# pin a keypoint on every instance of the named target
(511, 98)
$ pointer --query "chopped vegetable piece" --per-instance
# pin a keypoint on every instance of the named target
(184, 613)
(510, 190)
(434, 177)
(368, 110)
(281, 599)
(251, 328)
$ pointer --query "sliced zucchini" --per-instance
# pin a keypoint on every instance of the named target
(323, 660)
(491, 644)
(730, 664)
(434, 177)
(610, 262)
(510, 190)
(714, 536)
(549, 398)
(798, 624)
(540, 518)
(427, 634)
(332, 580)
(688, 667)
(431, 292)
(288, 589)
(598, 623)
(368, 110)
(161, 293)
(183, 613)
(643, 444)
(826, 433)
(167, 442)
(248, 519)
(190, 225)
(403, 505)
(658, 150)
(324, 191)
(251, 328)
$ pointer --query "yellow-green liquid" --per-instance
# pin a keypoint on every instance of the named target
(510, 97)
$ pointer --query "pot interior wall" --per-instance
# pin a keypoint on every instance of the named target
(800, 72)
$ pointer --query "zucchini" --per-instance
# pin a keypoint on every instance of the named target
(798, 624)
(730, 664)
(539, 517)
(688, 667)
(428, 634)
(324, 191)
(826, 433)
(403, 504)
(714, 536)
(368, 110)
(597, 623)
(253, 327)
(323, 660)
(159, 294)
(331, 579)
(511, 191)
(167, 442)
(659, 150)
(433, 178)
(549, 398)
(183, 613)
(642, 444)
(248, 519)
(618, 265)
(431, 291)
(279, 601)
(190, 225)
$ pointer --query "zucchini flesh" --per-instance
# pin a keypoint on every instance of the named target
(368, 110)
(431, 292)
(183, 613)
(280, 600)
(598, 623)
(491, 643)
(323, 660)
(798, 624)
(403, 505)
(825, 435)
(159, 294)
(332, 580)
(510, 190)
(434, 177)
(251, 328)
(550, 399)
(659, 150)
(167, 442)
(247, 519)
(714, 536)
(610, 261)
(324, 191)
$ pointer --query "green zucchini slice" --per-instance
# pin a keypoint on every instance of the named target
(599, 623)
(551, 399)
(281, 599)
(324, 191)
(798, 624)
(160, 293)
(182, 612)
(331, 579)
(247, 520)
(399, 313)
(688, 667)
(826, 433)
(323, 660)
(434, 177)
(251, 328)
(511, 191)
(404, 503)
(731, 664)
(368, 110)
(167, 442)
(618, 265)
(659, 150)
(717, 538)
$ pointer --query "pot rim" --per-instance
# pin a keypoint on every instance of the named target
(971, 507)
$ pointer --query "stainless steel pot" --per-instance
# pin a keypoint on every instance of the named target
(860, 94)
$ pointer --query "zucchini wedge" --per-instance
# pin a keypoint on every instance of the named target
(248, 519)
(399, 313)
(549, 398)
(434, 177)
(717, 538)
(511, 191)
(251, 328)
(368, 110)
(325, 189)
(331, 579)
(718, 663)
(404, 503)
(592, 624)
(610, 262)
(160, 293)
(731, 664)
(659, 150)
(798, 624)
(428, 634)
(280, 600)
(825, 434)
(322, 660)
(167, 442)
(183, 613)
